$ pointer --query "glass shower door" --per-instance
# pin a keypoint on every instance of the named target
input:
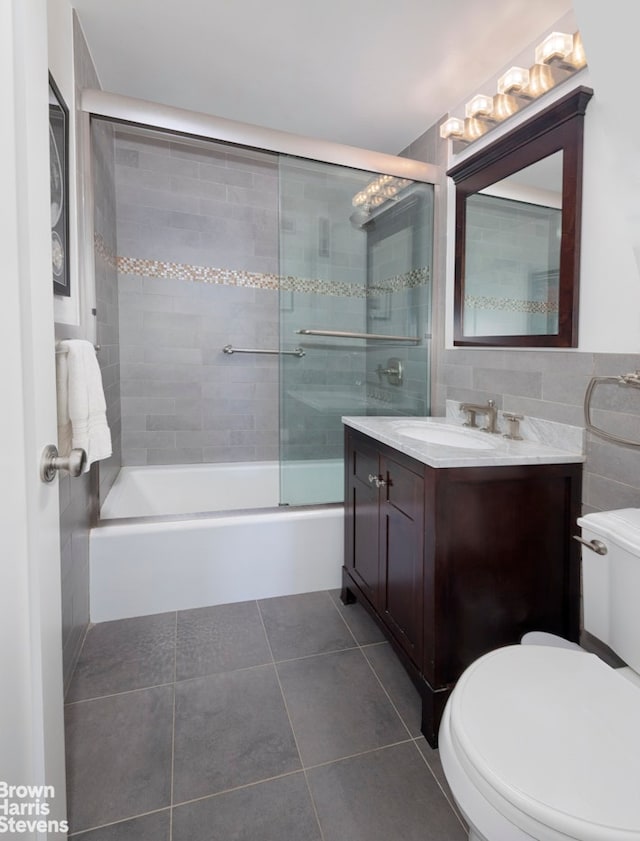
(346, 268)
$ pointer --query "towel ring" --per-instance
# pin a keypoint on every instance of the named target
(632, 380)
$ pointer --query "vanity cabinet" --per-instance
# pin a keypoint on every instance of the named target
(453, 562)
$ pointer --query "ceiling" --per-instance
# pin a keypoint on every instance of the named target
(374, 75)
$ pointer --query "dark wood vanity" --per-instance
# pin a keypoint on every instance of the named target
(453, 562)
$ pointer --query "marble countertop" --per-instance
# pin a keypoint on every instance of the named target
(545, 442)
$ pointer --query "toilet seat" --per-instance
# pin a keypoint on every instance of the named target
(557, 751)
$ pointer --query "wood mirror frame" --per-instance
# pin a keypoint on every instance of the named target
(557, 128)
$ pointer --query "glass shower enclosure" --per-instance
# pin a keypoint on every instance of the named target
(253, 288)
(355, 296)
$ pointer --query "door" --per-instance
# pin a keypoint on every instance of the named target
(31, 704)
(402, 555)
(355, 271)
(362, 502)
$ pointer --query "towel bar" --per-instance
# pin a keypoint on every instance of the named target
(345, 334)
(296, 352)
(60, 349)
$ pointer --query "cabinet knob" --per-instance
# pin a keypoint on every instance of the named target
(372, 478)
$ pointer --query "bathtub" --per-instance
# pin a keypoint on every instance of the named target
(179, 537)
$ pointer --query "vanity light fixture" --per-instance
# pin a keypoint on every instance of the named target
(381, 189)
(558, 56)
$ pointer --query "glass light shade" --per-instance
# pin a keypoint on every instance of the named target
(541, 80)
(556, 45)
(453, 127)
(515, 80)
(479, 106)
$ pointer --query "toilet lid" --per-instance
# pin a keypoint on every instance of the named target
(554, 735)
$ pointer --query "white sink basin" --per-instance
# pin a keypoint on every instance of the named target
(445, 436)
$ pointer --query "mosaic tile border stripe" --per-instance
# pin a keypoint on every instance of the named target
(482, 302)
(103, 252)
(230, 277)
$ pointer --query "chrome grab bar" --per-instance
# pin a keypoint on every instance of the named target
(296, 352)
(343, 334)
(596, 546)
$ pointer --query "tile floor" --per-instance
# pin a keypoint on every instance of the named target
(286, 719)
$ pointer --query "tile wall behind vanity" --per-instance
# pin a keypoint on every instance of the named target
(544, 384)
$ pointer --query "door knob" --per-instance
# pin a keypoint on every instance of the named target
(51, 462)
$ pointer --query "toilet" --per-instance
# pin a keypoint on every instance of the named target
(542, 740)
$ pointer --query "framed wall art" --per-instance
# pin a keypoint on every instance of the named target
(59, 176)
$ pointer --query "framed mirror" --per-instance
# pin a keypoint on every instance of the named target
(517, 253)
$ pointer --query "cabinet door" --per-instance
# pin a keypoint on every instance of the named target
(401, 562)
(362, 557)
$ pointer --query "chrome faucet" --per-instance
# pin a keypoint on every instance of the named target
(490, 410)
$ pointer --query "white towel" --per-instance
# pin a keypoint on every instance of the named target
(82, 420)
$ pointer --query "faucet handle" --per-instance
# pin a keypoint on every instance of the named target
(513, 426)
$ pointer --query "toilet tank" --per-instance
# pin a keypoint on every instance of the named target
(611, 582)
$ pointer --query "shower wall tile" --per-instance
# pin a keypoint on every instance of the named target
(197, 204)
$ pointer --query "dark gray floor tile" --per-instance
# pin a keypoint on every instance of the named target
(118, 756)
(337, 706)
(219, 639)
(385, 794)
(277, 810)
(362, 626)
(432, 758)
(397, 683)
(125, 654)
(230, 729)
(304, 624)
(154, 827)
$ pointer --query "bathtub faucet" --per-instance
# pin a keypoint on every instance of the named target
(490, 410)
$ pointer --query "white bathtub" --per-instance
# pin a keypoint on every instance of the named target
(198, 559)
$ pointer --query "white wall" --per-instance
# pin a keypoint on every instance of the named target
(609, 276)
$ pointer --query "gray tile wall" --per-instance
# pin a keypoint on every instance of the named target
(552, 385)
(545, 384)
(183, 399)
